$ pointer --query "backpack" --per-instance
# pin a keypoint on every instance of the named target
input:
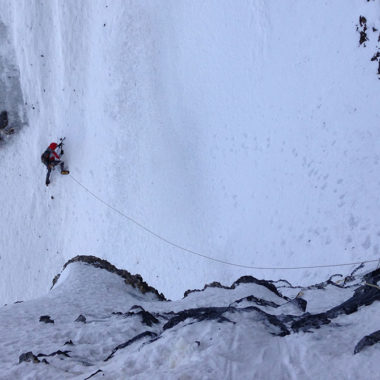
(45, 156)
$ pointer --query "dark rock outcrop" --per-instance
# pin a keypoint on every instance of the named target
(81, 318)
(146, 317)
(130, 341)
(93, 374)
(242, 280)
(218, 314)
(59, 352)
(199, 314)
(28, 357)
(214, 284)
(134, 280)
(253, 280)
(368, 340)
(269, 319)
(300, 303)
(46, 319)
(3, 119)
(363, 296)
(362, 30)
(309, 321)
(196, 315)
(250, 307)
(257, 301)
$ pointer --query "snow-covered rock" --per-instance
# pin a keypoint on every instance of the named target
(239, 133)
(248, 133)
(250, 329)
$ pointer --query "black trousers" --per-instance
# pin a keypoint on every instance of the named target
(52, 165)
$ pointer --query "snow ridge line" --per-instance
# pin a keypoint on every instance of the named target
(146, 229)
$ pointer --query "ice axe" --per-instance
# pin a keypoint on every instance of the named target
(60, 145)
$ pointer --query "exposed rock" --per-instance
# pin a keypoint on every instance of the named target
(3, 119)
(46, 319)
(281, 283)
(59, 352)
(146, 318)
(130, 341)
(362, 29)
(81, 318)
(352, 276)
(136, 308)
(278, 325)
(243, 312)
(55, 279)
(363, 37)
(214, 284)
(199, 314)
(5, 129)
(9, 131)
(376, 56)
(271, 319)
(368, 340)
(69, 343)
(93, 374)
(242, 280)
(253, 280)
(299, 302)
(257, 301)
(28, 357)
(134, 280)
(343, 284)
(310, 321)
(363, 296)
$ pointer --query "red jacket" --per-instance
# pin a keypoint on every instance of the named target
(53, 155)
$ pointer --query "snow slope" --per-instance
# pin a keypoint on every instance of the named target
(248, 133)
(246, 331)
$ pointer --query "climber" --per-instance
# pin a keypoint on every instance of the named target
(50, 158)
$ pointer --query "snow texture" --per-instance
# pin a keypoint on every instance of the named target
(248, 330)
(247, 131)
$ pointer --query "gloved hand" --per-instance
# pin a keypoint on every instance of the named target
(62, 152)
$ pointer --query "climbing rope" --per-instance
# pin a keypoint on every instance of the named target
(373, 285)
(203, 255)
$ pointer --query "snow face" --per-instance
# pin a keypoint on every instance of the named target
(248, 330)
(12, 114)
(248, 133)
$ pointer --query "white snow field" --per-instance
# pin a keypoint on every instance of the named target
(248, 332)
(247, 131)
